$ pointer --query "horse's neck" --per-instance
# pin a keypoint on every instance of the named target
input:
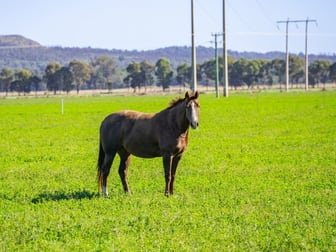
(178, 115)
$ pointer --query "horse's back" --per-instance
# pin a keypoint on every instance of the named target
(131, 130)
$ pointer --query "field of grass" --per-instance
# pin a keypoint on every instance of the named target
(258, 174)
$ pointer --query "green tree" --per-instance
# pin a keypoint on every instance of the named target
(183, 75)
(163, 73)
(63, 79)
(17, 86)
(105, 71)
(319, 71)
(81, 72)
(208, 68)
(139, 74)
(277, 70)
(147, 70)
(296, 68)
(35, 81)
(244, 72)
(332, 72)
(49, 75)
(6, 77)
(22, 83)
(264, 75)
(134, 78)
(67, 79)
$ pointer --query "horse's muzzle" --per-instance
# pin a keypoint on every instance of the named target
(194, 125)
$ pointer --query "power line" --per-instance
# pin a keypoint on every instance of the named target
(306, 50)
(210, 15)
(264, 12)
(239, 17)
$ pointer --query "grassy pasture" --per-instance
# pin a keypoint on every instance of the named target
(259, 174)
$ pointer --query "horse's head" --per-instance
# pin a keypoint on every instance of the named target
(192, 109)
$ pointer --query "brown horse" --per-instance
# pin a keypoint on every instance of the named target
(164, 134)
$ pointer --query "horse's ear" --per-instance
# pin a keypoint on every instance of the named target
(186, 95)
(196, 94)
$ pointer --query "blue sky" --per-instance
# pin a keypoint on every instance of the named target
(151, 24)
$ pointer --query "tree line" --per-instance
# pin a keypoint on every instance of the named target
(105, 73)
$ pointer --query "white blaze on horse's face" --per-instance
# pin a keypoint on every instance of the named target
(193, 113)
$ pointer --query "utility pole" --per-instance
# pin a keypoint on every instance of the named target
(306, 49)
(216, 57)
(287, 55)
(225, 72)
(193, 51)
(306, 52)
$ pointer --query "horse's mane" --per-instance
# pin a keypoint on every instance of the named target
(175, 102)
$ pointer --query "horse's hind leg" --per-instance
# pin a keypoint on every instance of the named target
(125, 159)
(106, 171)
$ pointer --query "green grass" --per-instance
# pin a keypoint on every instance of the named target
(259, 174)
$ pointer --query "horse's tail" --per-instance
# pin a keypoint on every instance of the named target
(101, 157)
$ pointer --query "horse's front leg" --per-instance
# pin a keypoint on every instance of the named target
(175, 162)
(167, 164)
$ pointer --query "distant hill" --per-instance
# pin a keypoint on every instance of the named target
(19, 52)
(17, 41)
